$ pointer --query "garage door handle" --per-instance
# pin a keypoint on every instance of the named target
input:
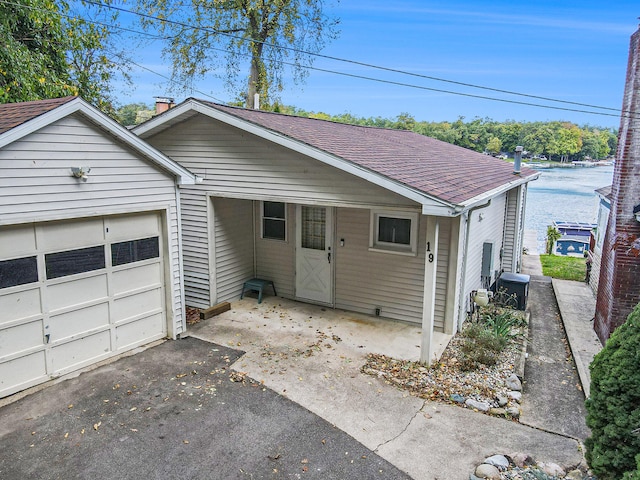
(46, 337)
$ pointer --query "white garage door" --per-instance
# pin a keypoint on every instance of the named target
(73, 293)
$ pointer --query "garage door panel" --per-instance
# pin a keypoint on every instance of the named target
(22, 372)
(68, 235)
(132, 227)
(20, 337)
(83, 351)
(19, 305)
(133, 305)
(17, 241)
(134, 278)
(77, 292)
(147, 329)
(78, 321)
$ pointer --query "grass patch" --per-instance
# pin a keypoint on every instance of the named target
(564, 268)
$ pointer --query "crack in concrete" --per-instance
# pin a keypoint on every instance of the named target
(424, 403)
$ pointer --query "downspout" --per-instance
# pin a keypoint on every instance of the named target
(467, 216)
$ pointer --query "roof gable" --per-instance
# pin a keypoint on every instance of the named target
(20, 119)
(453, 175)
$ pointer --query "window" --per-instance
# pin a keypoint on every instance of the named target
(71, 262)
(395, 232)
(274, 220)
(134, 251)
(18, 271)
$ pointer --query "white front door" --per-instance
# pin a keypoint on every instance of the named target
(314, 255)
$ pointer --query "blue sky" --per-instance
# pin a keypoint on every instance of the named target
(574, 51)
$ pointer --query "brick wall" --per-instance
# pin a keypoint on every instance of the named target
(619, 282)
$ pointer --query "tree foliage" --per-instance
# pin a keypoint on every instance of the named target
(556, 140)
(613, 409)
(204, 35)
(50, 49)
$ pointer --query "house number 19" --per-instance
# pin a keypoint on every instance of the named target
(430, 256)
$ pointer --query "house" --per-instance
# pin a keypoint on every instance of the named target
(574, 240)
(382, 222)
(90, 249)
(597, 236)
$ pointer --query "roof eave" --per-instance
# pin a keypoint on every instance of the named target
(505, 187)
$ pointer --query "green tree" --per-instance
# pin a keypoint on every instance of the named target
(230, 33)
(613, 409)
(49, 50)
(494, 145)
(552, 235)
(568, 141)
(134, 113)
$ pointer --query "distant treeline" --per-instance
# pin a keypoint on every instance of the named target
(557, 141)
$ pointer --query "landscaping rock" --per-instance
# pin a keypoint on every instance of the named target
(513, 395)
(502, 400)
(513, 412)
(513, 383)
(499, 461)
(520, 459)
(456, 397)
(498, 412)
(575, 475)
(475, 404)
(484, 470)
(552, 469)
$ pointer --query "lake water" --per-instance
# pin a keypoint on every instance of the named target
(564, 194)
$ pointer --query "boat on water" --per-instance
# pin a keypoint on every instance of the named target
(575, 238)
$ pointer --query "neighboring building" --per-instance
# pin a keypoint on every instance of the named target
(90, 253)
(597, 236)
(382, 222)
(575, 238)
(619, 284)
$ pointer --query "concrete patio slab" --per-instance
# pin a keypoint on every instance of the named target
(314, 355)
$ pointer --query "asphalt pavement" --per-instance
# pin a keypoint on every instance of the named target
(175, 411)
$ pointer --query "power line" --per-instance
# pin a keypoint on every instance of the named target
(376, 67)
(335, 72)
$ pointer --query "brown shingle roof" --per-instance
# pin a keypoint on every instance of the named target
(605, 192)
(15, 114)
(450, 173)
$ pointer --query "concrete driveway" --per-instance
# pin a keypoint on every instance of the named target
(174, 411)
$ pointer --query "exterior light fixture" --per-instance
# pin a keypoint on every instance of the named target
(81, 173)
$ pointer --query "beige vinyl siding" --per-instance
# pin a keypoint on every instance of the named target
(235, 163)
(195, 247)
(511, 230)
(366, 280)
(489, 229)
(514, 229)
(276, 259)
(233, 236)
(36, 184)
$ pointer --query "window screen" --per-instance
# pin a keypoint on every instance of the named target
(274, 220)
(18, 271)
(71, 262)
(134, 251)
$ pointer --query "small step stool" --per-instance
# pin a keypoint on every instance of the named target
(257, 285)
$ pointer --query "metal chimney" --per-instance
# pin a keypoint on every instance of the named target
(517, 162)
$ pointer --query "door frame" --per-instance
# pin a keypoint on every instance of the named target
(330, 244)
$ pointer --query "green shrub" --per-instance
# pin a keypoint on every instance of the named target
(481, 346)
(613, 410)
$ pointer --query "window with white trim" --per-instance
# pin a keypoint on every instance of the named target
(274, 220)
(395, 232)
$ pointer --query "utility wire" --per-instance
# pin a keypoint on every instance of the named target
(363, 64)
(335, 72)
